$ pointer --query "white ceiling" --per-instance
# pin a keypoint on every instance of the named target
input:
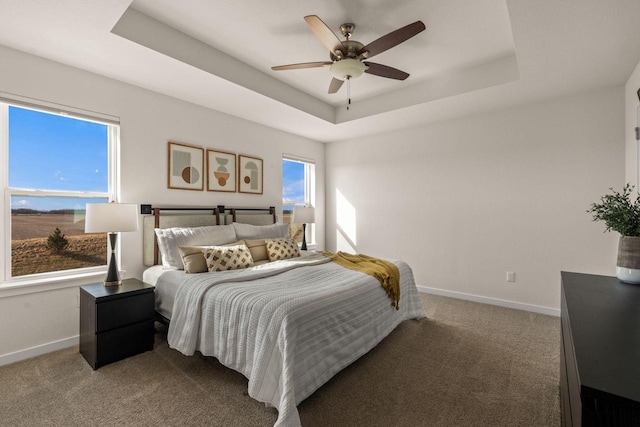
(474, 56)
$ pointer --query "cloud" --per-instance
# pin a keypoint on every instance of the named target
(293, 190)
(20, 204)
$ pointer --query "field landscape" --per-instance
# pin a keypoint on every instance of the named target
(29, 233)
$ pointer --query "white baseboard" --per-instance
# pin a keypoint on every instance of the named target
(493, 301)
(28, 353)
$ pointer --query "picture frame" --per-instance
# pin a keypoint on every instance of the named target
(221, 171)
(250, 175)
(185, 166)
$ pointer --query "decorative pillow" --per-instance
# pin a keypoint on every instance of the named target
(258, 249)
(282, 249)
(193, 257)
(273, 231)
(222, 258)
(170, 238)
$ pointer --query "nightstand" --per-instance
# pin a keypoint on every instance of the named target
(116, 321)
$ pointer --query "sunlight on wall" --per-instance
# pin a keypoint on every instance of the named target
(346, 224)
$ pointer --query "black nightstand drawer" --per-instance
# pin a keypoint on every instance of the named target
(124, 311)
(116, 321)
(121, 343)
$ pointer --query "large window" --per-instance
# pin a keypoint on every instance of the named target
(54, 164)
(298, 189)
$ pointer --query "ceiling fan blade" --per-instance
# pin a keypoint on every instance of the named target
(335, 85)
(327, 37)
(301, 66)
(385, 71)
(392, 39)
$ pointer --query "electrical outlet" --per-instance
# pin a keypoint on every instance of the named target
(511, 276)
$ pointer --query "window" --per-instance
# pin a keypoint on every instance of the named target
(55, 164)
(298, 188)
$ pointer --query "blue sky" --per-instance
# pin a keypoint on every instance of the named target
(292, 181)
(51, 152)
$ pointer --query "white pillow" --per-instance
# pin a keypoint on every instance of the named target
(273, 231)
(170, 238)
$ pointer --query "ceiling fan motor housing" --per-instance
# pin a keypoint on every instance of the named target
(347, 64)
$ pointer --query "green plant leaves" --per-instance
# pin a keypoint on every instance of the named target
(618, 212)
(57, 242)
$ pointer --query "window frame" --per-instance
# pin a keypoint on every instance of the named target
(309, 191)
(112, 193)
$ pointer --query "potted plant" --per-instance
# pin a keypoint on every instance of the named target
(621, 214)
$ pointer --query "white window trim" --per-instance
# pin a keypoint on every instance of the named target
(56, 279)
(309, 193)
(5, 247)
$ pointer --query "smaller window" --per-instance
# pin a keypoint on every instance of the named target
(298, 188)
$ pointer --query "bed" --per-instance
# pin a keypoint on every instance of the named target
(288, 325)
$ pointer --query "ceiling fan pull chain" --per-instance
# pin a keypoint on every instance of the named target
(348, 91)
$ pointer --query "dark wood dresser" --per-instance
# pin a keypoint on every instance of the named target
(600, 354)
(116, 321)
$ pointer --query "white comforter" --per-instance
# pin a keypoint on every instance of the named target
(287, 329)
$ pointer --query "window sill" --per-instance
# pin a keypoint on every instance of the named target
(44, 284)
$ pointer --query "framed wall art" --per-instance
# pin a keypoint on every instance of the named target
(249, 175)
(185, 167)
(221, 171)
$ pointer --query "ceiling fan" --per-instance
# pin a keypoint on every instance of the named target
(348, 57)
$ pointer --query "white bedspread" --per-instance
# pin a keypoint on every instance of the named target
(288, 329)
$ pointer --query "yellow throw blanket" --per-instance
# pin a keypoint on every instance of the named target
(386, 272)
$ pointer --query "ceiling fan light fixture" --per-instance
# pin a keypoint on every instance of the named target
(347, 68)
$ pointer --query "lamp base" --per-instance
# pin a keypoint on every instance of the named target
(114, 283)
(304, 237)
(113, 277)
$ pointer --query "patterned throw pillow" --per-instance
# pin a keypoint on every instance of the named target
(222, 258)
(282, 249)
(193, 256)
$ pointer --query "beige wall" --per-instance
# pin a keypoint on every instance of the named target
(48, 318)
(467, 200)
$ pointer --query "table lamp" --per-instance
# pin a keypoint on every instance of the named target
(111, 218)
(304, 215)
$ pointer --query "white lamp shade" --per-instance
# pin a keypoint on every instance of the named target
(304, 215)
(111, 217)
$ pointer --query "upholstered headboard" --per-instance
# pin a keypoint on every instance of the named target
(197, 217)
(254, 216)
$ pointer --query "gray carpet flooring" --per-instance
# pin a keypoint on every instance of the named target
(467, 364)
